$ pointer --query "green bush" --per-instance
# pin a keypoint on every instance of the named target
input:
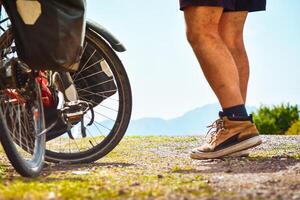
(294, 129)
(275, 120)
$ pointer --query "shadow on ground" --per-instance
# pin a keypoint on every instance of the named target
(243, 165)
(50, 169)
(70, 167)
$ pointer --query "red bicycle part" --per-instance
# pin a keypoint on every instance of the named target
(14, 96)
(47, 96)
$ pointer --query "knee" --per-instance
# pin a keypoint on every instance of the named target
(234, 41)
(201, 35)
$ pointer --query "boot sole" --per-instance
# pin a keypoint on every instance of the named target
(243, 153)
(229, 151)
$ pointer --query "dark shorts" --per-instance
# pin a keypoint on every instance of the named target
(228, 5)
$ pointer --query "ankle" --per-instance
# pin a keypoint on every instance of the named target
(235, 112)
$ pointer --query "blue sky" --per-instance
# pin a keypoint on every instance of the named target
(165, 76)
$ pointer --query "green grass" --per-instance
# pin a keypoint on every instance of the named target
(286, 150)
(133, 170)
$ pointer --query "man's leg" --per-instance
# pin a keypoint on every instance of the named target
(213, 55)
(235, 131)
(231, 30)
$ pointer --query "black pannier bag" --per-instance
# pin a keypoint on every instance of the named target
(48, 34)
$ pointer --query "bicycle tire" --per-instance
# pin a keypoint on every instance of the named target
(26, 168)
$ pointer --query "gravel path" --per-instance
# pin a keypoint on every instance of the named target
(272, 171)
(160, 168)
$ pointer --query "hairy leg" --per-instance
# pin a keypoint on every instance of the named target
(231, 30)
(213, 55)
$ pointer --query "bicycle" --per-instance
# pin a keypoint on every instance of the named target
(38, 123)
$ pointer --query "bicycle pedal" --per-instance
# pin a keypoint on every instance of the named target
(75, 117)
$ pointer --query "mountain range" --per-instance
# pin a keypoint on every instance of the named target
(193, 122)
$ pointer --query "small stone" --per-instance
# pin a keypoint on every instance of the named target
(160, 176)
(121, 192)
(80, 172)
(296, 197)
(51, 196)
(206, 181)
(135, 184)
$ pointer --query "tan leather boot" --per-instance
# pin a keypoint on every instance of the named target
(229, 137)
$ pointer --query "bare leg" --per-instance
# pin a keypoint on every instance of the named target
(231, 30)
(213, 55)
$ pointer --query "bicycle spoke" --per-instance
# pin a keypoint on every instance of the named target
(104, 116)
(97, 84)
(90, 134)
(109, 108)
(98, 129)
(77, 145)
(98, 94)
(69, 146)
(93, 102)
(92, 65)
(90, 75)
(88, 60)
(101, 125)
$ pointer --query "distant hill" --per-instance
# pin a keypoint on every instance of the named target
(191, 123)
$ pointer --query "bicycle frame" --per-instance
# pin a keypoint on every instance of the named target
(47, 96)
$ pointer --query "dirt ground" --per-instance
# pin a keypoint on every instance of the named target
(160, 168)
(271, 171)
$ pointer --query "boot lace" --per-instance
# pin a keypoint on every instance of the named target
(214, 129)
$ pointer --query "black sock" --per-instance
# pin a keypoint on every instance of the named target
(236, 112)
